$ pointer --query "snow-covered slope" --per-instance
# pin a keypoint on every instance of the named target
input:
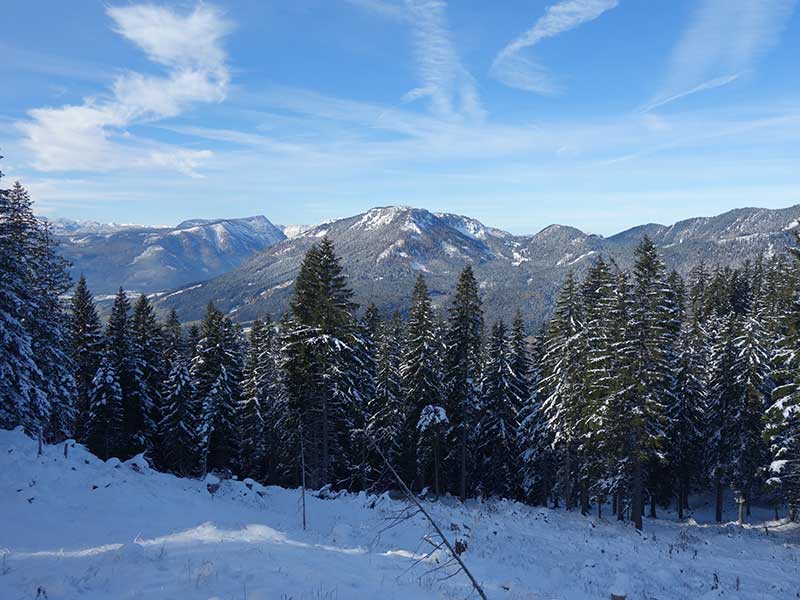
(384, 250)
(153, 259)
(77, 527)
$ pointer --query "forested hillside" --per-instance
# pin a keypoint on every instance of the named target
(643, 388)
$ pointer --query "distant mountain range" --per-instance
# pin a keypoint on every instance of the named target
(385, 248)
(153, 259)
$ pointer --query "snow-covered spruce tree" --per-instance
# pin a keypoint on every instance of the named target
(782, 422)
(105, 435)
(255, 394)
(562, 385)
(613, 439)
(192, 339)
(520, 362)
(722, 401)
(23, 400)
(86, 341)
(462, 363)
(421, 376)
(597, 296)
(323, 347)
(753, 370)
(216, 375)
(50, 332)
(534, 438)
(783, 435)
(174, 343)
(366, 356)
(122, 350)
(659, 473)
(644, 356)
(178, 429)
(148, 349)
(386, 409)
(685, 411)
(498, 414)
(432, 427)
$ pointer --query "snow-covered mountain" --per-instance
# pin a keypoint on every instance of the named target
(385, 248)
(152, 259)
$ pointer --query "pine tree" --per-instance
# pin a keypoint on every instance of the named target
(86, 349)
(432, 426)
(174, 344)
(323, 346)
(148, 349)
(645, 356)
(562, 384)
(255, 394)
(462, 374)
(534, 437)
(23, 400)
(520, 378)
(216, 375)
(752, 367)
(723, 398)
(387, 411)
(685, 411)
(178, 429)
(498, 418)
(105, 422)
(420, 373)
(597, 297)
(51, 335)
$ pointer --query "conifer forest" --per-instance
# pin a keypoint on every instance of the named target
(642, 390)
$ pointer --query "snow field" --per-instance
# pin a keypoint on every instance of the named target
(78, 527)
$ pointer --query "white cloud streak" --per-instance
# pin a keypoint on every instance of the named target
(445, 80)
(92, 136)
(723, 40)
(518, 71)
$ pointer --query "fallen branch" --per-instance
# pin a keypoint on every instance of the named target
(421, 508)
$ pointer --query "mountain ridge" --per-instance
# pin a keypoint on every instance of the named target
(384, 248)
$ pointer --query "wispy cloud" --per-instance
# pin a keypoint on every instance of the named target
(93, 136)
(723, 40)
(518, 71)
(444, 79)
(392, 9)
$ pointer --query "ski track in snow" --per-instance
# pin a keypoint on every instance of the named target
(82, 528)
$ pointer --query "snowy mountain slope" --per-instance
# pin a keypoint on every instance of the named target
(385, 248)
(79, 528)
(151, 259)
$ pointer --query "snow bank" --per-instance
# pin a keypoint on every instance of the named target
(78, 527)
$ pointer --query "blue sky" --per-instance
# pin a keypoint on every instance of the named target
(601, 114)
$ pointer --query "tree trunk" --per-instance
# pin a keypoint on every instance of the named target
(567, 479)
(680, 499)
(599, 507)
(614, 498)
(325, 444)
(740, 501)
(719, 501)
(584, 498)
(621, 504)
(747, 498)
(436, 467)
(652, 506)
(636, 494)
(463, 482)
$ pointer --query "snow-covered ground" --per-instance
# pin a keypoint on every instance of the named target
(82, 528)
